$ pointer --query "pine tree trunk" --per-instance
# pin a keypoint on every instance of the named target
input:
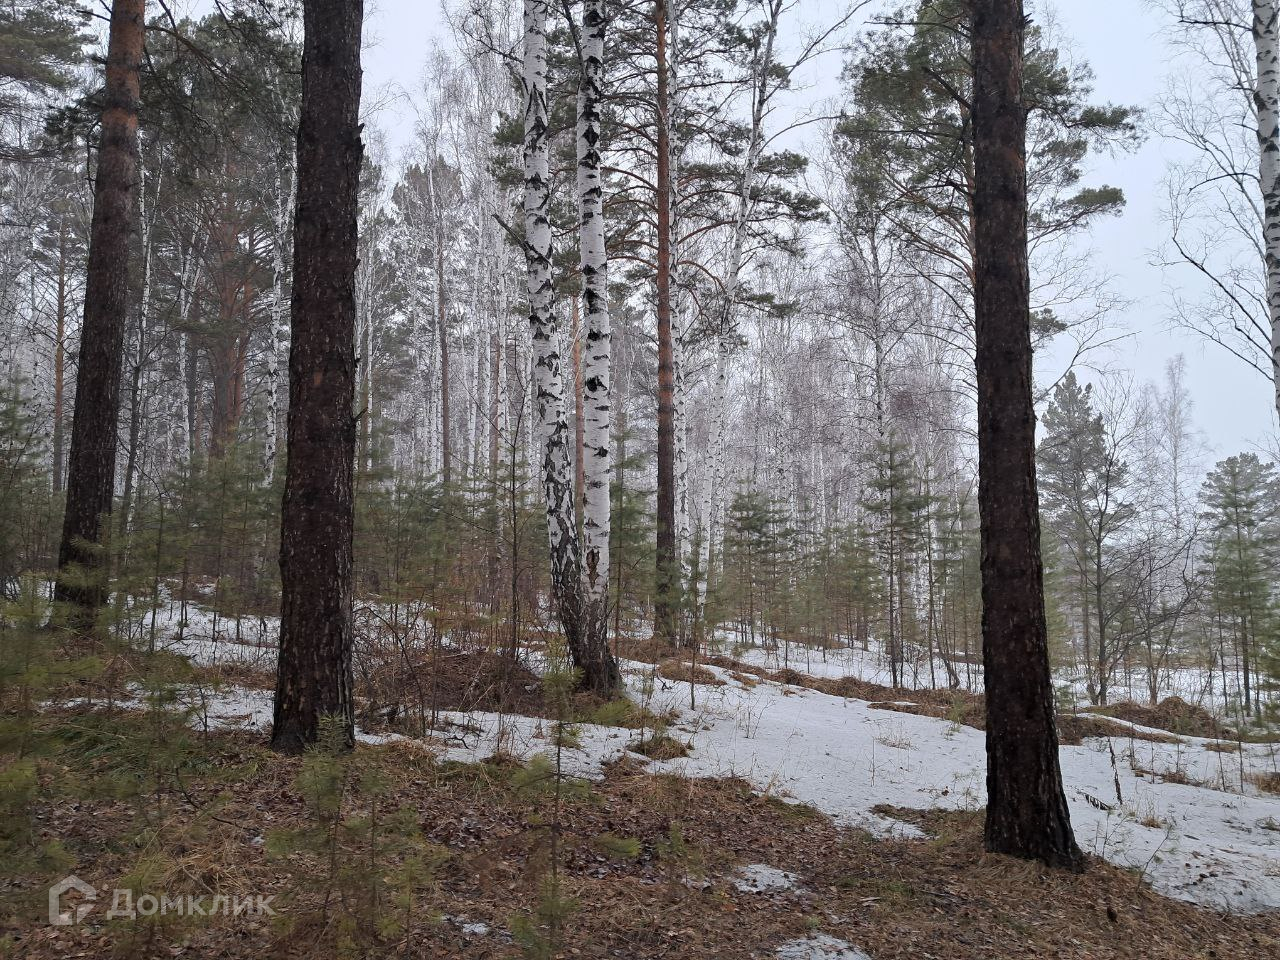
(595, 451)
(94, 428)
(1027, 812)
(1266, 41)
(314, 674)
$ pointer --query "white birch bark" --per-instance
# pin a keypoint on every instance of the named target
(284, 218)
(728, 324)
(681, 305)
(597, 450)
(550, 421)
(1266, 40)
(191, 266)
(680, 324)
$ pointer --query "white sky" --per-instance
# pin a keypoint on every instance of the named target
(1121, 40)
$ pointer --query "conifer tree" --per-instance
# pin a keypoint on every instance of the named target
(314, 676)
(1027, 812)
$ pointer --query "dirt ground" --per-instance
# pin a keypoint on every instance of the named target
(645, 866)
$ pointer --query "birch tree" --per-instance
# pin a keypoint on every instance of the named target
(550, 417)
(597, 444)
(1266, 42)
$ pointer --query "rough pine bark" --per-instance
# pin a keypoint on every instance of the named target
(1266, 41)
(94, 432)
(596, 451)
(313, 679)
(1027, 812)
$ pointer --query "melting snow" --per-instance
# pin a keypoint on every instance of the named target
(820, 946)
(762, 878)
(1186, 816)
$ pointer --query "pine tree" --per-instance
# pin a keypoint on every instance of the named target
(94, 429)
(1242, 512)
(1027, 812)
(313, 677)
(1085, 483)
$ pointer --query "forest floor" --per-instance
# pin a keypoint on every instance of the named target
(655, 865)
(770, 813)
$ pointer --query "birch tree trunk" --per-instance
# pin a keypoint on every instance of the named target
(94, 426)
(1266, 41)
(314, 675)
(284, 217)
(59, 355)
(680, 318)
(442, 327)
(1027, 813)
(667, 583)
(728, 322)
(550, 419)
(137, 374)
(597, 466)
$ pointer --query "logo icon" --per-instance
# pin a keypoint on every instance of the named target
(65, 918)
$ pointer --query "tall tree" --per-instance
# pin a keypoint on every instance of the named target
(596, 450)
(550, 416)
(1027, 812)
(1266, 95)
(1086, 498)
(91, 465)
(314, 678)
(1242, 511)
(667, 585)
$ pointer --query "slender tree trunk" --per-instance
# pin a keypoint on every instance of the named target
(442, 326)
(94, 429)
(594, 415)
(1027, 813)
(284, 218)
(728, 323)
(138, 367)
(549, 413)
(314, 674)
(579, 426)
(60, 358)
(1266, 98)
(667, 583)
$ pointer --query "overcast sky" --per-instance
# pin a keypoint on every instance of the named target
(1121, 39)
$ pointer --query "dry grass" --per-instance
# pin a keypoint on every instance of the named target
(1223, 746)
(680, 671)
(1173, 714)
(661, 747)
(943, 896)
(1269, 782)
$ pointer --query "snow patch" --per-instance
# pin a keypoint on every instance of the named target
(820, 946)
(762, 878)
